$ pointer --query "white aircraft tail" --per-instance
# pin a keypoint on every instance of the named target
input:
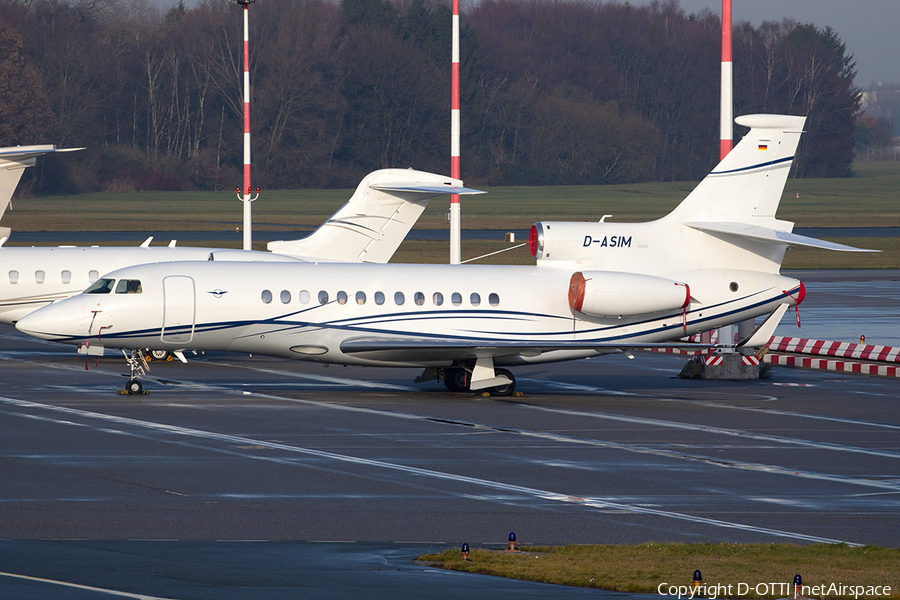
(13, 162)
(376, 219)
(741, 195)
(727, 221)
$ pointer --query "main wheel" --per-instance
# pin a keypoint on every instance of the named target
(507, 389)
(159, 354)
(456, 380)
(134, 387)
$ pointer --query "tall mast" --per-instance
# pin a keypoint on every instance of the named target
(726, 125)
(244, 194)
(455, 226)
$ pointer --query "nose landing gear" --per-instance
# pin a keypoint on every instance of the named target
(138, 364)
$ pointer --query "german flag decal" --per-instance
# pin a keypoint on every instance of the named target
(763, 147)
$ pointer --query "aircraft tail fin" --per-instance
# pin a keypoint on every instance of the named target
(13, 162)
(747, 185)
(376, 219)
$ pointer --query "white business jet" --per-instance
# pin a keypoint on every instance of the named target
(369, 228)
(596, 288)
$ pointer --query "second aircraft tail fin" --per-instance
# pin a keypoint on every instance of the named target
(376, 219)
(13, 162)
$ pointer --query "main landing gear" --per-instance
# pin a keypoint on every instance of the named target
(459, 379)
(138, 364)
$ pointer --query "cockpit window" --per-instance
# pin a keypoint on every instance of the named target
(101, 286)
(129, 286)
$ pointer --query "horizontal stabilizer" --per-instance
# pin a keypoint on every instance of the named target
(429, 191)
(774, 236)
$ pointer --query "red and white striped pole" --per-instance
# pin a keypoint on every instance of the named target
(455, 226)
(248, 236)
(726, 127)
(245, 194)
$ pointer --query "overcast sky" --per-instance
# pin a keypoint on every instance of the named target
(870, 28)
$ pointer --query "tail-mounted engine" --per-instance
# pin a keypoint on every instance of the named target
(612, 294)
(558, 243)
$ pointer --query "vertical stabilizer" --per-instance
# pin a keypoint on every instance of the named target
(379, 215)
(747, 185)
(13, 162)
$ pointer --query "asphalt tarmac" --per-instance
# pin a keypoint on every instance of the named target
(250, 477)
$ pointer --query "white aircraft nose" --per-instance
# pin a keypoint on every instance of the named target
(61, 321)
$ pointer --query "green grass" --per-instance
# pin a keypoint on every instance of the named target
(642, 568)
(871, 198)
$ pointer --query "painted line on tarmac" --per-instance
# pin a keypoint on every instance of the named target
(345, 381)
(592, 502)
(891, 484)
(785, 413)
(717, 430)
(78, 586)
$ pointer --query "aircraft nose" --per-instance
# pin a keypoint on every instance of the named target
(59, 321)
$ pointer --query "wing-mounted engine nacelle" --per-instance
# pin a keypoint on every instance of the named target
(612, 294)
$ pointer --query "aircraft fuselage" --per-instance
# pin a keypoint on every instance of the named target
(392, 315)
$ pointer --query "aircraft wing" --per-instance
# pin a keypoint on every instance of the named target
(444, 349)
(766, 234)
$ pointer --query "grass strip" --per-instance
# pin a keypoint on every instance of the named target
(728, 570)
(868, 199)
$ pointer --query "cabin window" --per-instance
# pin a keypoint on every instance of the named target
(93, 275)
(475, 299)
(285, 297)
(420, 298)
(456, 298)
(101, 286)
(39, 277)
(14, 277)
(494, 300)
(379, 298)
(342, 298)
(438, 298)
(360, 298)
(303, 296)
(323, 297)
(66, 276)
(129, 286)
(399, 298)
(266, 296)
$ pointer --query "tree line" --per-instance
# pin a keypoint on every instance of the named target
(552, 91)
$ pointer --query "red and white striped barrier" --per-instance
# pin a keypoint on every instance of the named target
(887, 356)
(856, 351)
(826, 364)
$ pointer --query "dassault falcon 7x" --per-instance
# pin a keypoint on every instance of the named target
(596, 288)
(368, 228)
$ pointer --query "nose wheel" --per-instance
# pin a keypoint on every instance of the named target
(137, 362)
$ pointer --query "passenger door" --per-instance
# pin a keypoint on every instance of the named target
(178, 310)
